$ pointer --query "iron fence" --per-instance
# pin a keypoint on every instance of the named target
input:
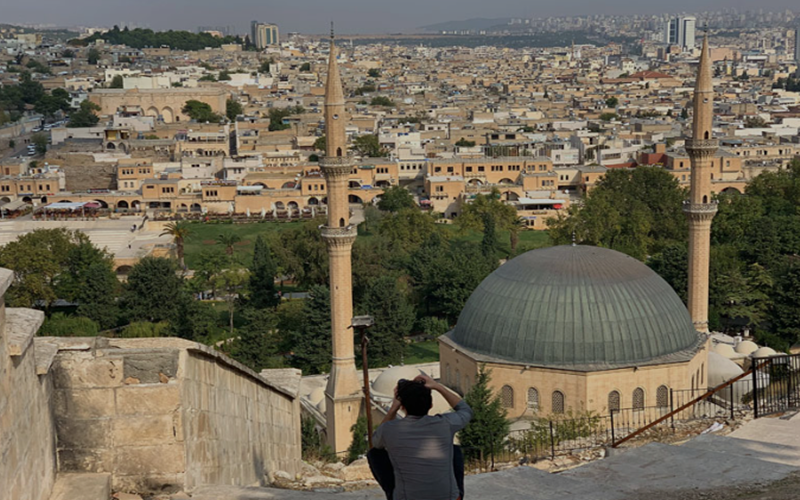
(777, 383)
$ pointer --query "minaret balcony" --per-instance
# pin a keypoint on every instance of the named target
(702, 147)
(701, 210)
(342, 235)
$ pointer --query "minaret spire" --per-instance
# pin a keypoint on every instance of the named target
(701, 208)
(342, 394)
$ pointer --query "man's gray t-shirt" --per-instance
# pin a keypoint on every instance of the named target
(421, 451)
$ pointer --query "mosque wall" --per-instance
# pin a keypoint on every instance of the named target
(582, 391)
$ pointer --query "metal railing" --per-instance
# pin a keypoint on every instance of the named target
(777, 383)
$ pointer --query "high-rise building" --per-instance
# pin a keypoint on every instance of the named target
(681, 31)
(263, 34)
(342, 395)
(797, 45)
(700, 209)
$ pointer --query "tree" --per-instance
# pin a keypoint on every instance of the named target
(229, 241)
(67, 53)
(787, 296)
(489, 240)
(635, 211)
(224, 76)
(359, 444)
(374, 73)
(97, 298)
(474, 215)
(233, 109)
(305, 67)
(463, 143)
(154, 291)
(93, 56)
(12, 144)
(39, 140)
(381, 101)
(311, 332)
(612, 102)
(259, 344)
(207, 78)
(39, 260)
(62, 325)
(407, 229)
(276, 117)
(388, 304)
(85, 116)
(607, 117)
(178, 231)
(514, 228)
(303, 254)
(231, 281)
(266, 65)
(117, 82)
(484, 434)
(754, 122)
(262, 277)
(684, 114)
(368, 146)
(200, 111)
(321, 143)
(396, 198)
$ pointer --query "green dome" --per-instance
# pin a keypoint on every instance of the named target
(577, 306)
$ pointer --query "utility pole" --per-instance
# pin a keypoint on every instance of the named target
(361, 323)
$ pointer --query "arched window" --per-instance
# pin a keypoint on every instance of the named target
(507, 396)
(558, 402)
(533, 399)
(662, 396)
(339, 152)
(702, 373)
(706, 135)
(705, 199)
(638, 399)
(458, 379)
(466, 384)
(613, 401)
(341, 222)
(693, 385)
(447, 373)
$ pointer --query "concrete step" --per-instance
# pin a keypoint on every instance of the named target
(767, 452)
(82, 487)
(770, 430)
(20, 328)
(659, 467)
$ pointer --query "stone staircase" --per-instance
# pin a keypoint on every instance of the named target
(762, 451)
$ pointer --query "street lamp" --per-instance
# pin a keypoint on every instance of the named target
(360, 324)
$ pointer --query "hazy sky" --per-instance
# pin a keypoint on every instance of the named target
(314, 16)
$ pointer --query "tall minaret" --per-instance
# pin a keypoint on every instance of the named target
(343, 395)
(700, 208)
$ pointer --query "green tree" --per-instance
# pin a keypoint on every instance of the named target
(276, 117)
(607, 117)
(515, 226)
(258, 344)
(407, 229)
(40, 142)
(62, 325)
(368, 146)
(178, 231)
(485, 433)
(463, 143)
(305, 67)
(684, 114)
(489, 240)
(97, 298)
(200, 111)
(224, 76)
(787, 295)
(396, 198)
(145, 329)
(117, 82)
(483, 208)
(232, 282)
(311, 332)
(321, 144)
(263, 293)
(266, 65)
(303, 254)
(154, 291)
(635, 211)
(86, 116)
(381, 101)
(229, 241)
(612, 102)
(359, 444)
(374, 73)
(93, 56)
(388, 304)
(233, 109)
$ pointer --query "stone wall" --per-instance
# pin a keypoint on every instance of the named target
(168, 414)
(27, 436)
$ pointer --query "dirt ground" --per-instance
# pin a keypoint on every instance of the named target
(787, 489)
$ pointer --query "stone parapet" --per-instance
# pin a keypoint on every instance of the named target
(700, 211)
(336, 166)
(339, 236)
(701, 148)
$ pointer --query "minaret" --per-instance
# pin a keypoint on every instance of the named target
(700, 208)
(343, 395)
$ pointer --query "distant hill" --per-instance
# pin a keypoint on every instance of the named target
(469, 25)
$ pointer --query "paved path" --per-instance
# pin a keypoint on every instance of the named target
(761, 452)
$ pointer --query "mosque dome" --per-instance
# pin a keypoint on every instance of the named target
(385, 383)
(764, 352)
(576, 306)
(746, 347)
(725, 350)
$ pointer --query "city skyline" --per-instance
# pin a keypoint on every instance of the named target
(350, 16)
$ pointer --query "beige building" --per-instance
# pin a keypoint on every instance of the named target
(164, 104)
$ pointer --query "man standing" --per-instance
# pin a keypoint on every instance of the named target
(424, 463)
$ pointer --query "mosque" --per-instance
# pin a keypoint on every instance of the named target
(590, 329)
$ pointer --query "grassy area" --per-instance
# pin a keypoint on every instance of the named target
(203, 236)
(422, 352)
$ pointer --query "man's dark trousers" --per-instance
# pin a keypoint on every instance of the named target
(381, 467)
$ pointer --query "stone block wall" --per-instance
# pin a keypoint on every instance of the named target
(163, 415)
(27, 434)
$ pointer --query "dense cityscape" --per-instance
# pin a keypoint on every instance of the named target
(585, 226)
